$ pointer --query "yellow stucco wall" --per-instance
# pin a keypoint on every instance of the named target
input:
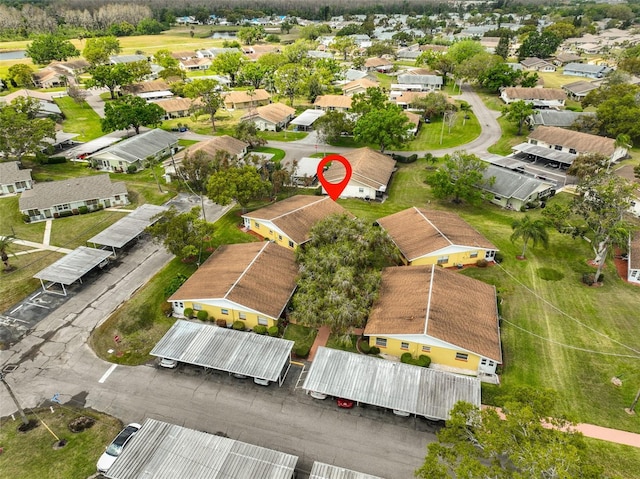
(264, 230)
(234, 315)
(438, 354)
(465, 257)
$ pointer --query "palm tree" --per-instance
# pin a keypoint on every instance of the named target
(5, 241)
(466, 109)
(528, 229)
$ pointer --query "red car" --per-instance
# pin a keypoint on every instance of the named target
(345, 403)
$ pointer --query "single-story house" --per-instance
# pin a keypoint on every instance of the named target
(234, 147)
(333, 103)
(576, 142)
(240, 100)
(562, 119)
(407, 99)
(633, 259)
(54, 199)
(175, 107)
(568, 57)
(436, 237)
(133, 151)
(194, 64)
(149, 90)
(70, 68)
(13, 179)
(538, 97)
(184, 54)
(370, 176)
(289, 222)
(513, 190)
(414, 122)
(358, 86)
(537, 65)
(272, 117)
(586, 70)
(579, 89)
(116, 59)
(425, 82)
(447, 316)
(49, 78)
(48, 108)
(253, 284)
(381, 65)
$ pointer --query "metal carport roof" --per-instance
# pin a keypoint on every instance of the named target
(327, 471)
(307, 117)
(389, 384)
(546, 153)
(160, 450)
(236, 352)
(72, 267)
(124, 230)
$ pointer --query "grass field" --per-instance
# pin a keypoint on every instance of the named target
(278, 154)
(29, 455)
(428, 138)
(74, 231)
(79, 118)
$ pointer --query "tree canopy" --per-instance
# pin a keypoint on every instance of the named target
(49, 47)
(21, 133)
(517, 112)
(541, 45)
(459, 178)
(182, 234)
(385, 127)
(209, 99)
(228, 63)
(118, 75)
(98, 50)
(131, 112)
(340, 273)
(241, 184)
(528, 229)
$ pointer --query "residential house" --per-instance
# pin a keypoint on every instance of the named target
(585, 70)
(377, 64)
(47, 108)
(194, 64)
(562, 119)
(133, 152)
(13, 179)
(414, 82)
(447, 316)
(149, 90)
(490, 44)
(241, 100)
(407, 99)
(254, 52)
(576, 142)
(288, 222)
(237, 149)
(249, 282)
(358, 86)
(579, 89)
(214, 52)
(538, 97)
(175, 107)
(184, 54)
(567, 57)
(333, 103)
(115, 59)
(436, 237)
(512, 190)
(536, 64)
(54, 199)
(633, 258)
(370, 175)
(628, 174)
(49, 78)
(272, 117)
(306, 171)
(71, 68)
(352, 75)
(414, 122)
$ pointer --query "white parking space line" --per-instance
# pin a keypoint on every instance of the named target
(108, 373)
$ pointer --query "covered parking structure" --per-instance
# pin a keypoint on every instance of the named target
(389, 384)
(551, 155)
(236, 352)
(306, 119)
(321, 470)
(161, 450)
(71, 268)
(127, 229)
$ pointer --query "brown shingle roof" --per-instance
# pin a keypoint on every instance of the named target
(175, 104)
(361, 83)
(369, 167)
(535, 93)
(418, 232)
(581, 142)
(296, 216)
(274, 113)
(244, 97)
(48, 194)
(634, 250)
(442, 304)
(259, 276)
(184, 54)
(335, 101)
(409, 97)
(146, 87)
(227, 143)
(38, 95)
(376, 62)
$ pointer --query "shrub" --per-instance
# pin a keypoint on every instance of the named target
(166, 308)
(406, 358)
(374, 350)
(55, 160)
(64, 214)
(364, 347)
(273, 331)
(482, 263)
(271, 38)
(260, 329)
(423, 360)
(221, 322)
(499, 257)
(188, 313)
(83, 210)
(26, 218)
(173, 285)
(131, 169)
(238, 326)
(301, 351)
(202, 315)
(588, 278)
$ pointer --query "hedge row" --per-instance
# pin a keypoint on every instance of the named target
(422, 360)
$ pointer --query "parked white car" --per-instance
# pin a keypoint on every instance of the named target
(168, 363)
(115, 448)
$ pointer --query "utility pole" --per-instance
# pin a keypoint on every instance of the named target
(25, 421)
(632, 408)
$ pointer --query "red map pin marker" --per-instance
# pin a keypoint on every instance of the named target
(334, 190)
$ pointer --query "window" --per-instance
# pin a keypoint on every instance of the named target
(179, 304)
(462, 356)
(404, 345)
(263, 321)
(426, 349)
(533, 142)
(91, 202)
(497, 198)
(558, 147)
(290, 244)
(360, 190)
(62, 207)
(474, 254)
(33, 212)
(381, 342)
(197, 307)
(224, 311)
(117, 197)
(21, 184)
(443, 260)
(257, 225)
(242, 315)
(280, 237)
(270, 232)
(572, 150)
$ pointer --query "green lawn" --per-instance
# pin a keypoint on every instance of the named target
(278, 154)
(74, 231)
(302, 335)
(29, 455)
(79, 118)
(335, 343)
(11, 222)
(509, 138)
(285, 135)
(428, 138)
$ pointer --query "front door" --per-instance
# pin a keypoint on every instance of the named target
(107, 203)
(487, 366)
(490, 255)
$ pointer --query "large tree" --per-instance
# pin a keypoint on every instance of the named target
(340, 273)
(110, 76)
(182, 234)
(21, 133)
(291, 80)
(131, 112)
(332, 125)
(228, 63)
(49, 47)
(247, 131)
(499, 76)
(528, 229)
(207, 94)
(541, 45)
(98, 50)
(525, 440)
(432, 104)
(240, 184)
(385, 127)
(459, 178)
(20, 74)
(518, 112)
